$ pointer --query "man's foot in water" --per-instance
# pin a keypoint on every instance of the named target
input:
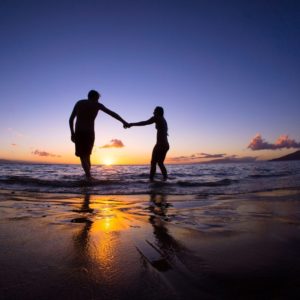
(89, 177)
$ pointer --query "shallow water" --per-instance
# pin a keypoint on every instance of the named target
(202, 179)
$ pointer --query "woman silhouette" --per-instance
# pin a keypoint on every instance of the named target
(162, 145)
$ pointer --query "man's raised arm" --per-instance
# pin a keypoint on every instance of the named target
(113, 114)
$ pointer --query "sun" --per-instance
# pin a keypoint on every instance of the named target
(108, 161)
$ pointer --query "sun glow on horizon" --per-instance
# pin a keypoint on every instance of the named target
(108, 161)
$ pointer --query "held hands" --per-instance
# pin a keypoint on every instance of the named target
(126, 125)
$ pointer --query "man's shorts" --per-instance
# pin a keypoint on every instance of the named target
(84, 142)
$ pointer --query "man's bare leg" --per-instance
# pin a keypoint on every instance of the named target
(86, 165)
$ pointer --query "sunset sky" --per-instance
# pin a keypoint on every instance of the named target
(226, 72)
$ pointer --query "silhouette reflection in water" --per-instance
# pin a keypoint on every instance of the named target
(167, 245)
(81, 239)
(95, 244)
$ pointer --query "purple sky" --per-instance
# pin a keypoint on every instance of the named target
(224, 71)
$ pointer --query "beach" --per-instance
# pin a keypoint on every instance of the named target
(150, 150)
(150, 246)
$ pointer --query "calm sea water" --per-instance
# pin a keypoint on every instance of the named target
(202, 179)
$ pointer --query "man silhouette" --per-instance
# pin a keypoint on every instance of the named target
(85, 111)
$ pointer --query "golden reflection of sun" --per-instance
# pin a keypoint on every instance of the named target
(109, 219)
(105, 239)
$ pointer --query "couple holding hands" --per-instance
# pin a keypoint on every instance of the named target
(85, 111)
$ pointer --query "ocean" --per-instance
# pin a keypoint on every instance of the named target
(193, 179)
(212, 231)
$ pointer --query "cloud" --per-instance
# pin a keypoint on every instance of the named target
(196, 156)
(184, 158)
(205, 155)
(213, 158)
(13, 144)
(234, 158)
(44, 153)
(15, 133)
(258, 143)
(114, 143)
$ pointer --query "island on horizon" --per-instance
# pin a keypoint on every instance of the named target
(291, 156)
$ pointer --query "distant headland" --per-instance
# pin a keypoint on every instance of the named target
(291, 156)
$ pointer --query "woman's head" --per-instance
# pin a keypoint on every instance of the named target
(158, 111)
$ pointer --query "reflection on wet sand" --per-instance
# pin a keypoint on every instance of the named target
(99, 235)
(82, 238)
(153, 246)
(97, 241)
(161, 243)
(167, 245)
(96, 244)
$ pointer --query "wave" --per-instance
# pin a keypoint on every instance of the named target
(30, 181)
(222, 182)
(77, 182)
(269, 175)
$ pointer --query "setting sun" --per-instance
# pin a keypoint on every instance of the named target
(108, 161)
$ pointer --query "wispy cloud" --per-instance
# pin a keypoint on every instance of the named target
(13, 144)
(258, 143)
(114, 143)
(44, 153)
(206, 155)
(194, 157)
(234, 158)
(211, 158)
(15, 133)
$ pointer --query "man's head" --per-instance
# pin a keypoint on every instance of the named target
(159, 111)
(93, 95)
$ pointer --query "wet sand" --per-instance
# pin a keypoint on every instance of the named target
(55, 246)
